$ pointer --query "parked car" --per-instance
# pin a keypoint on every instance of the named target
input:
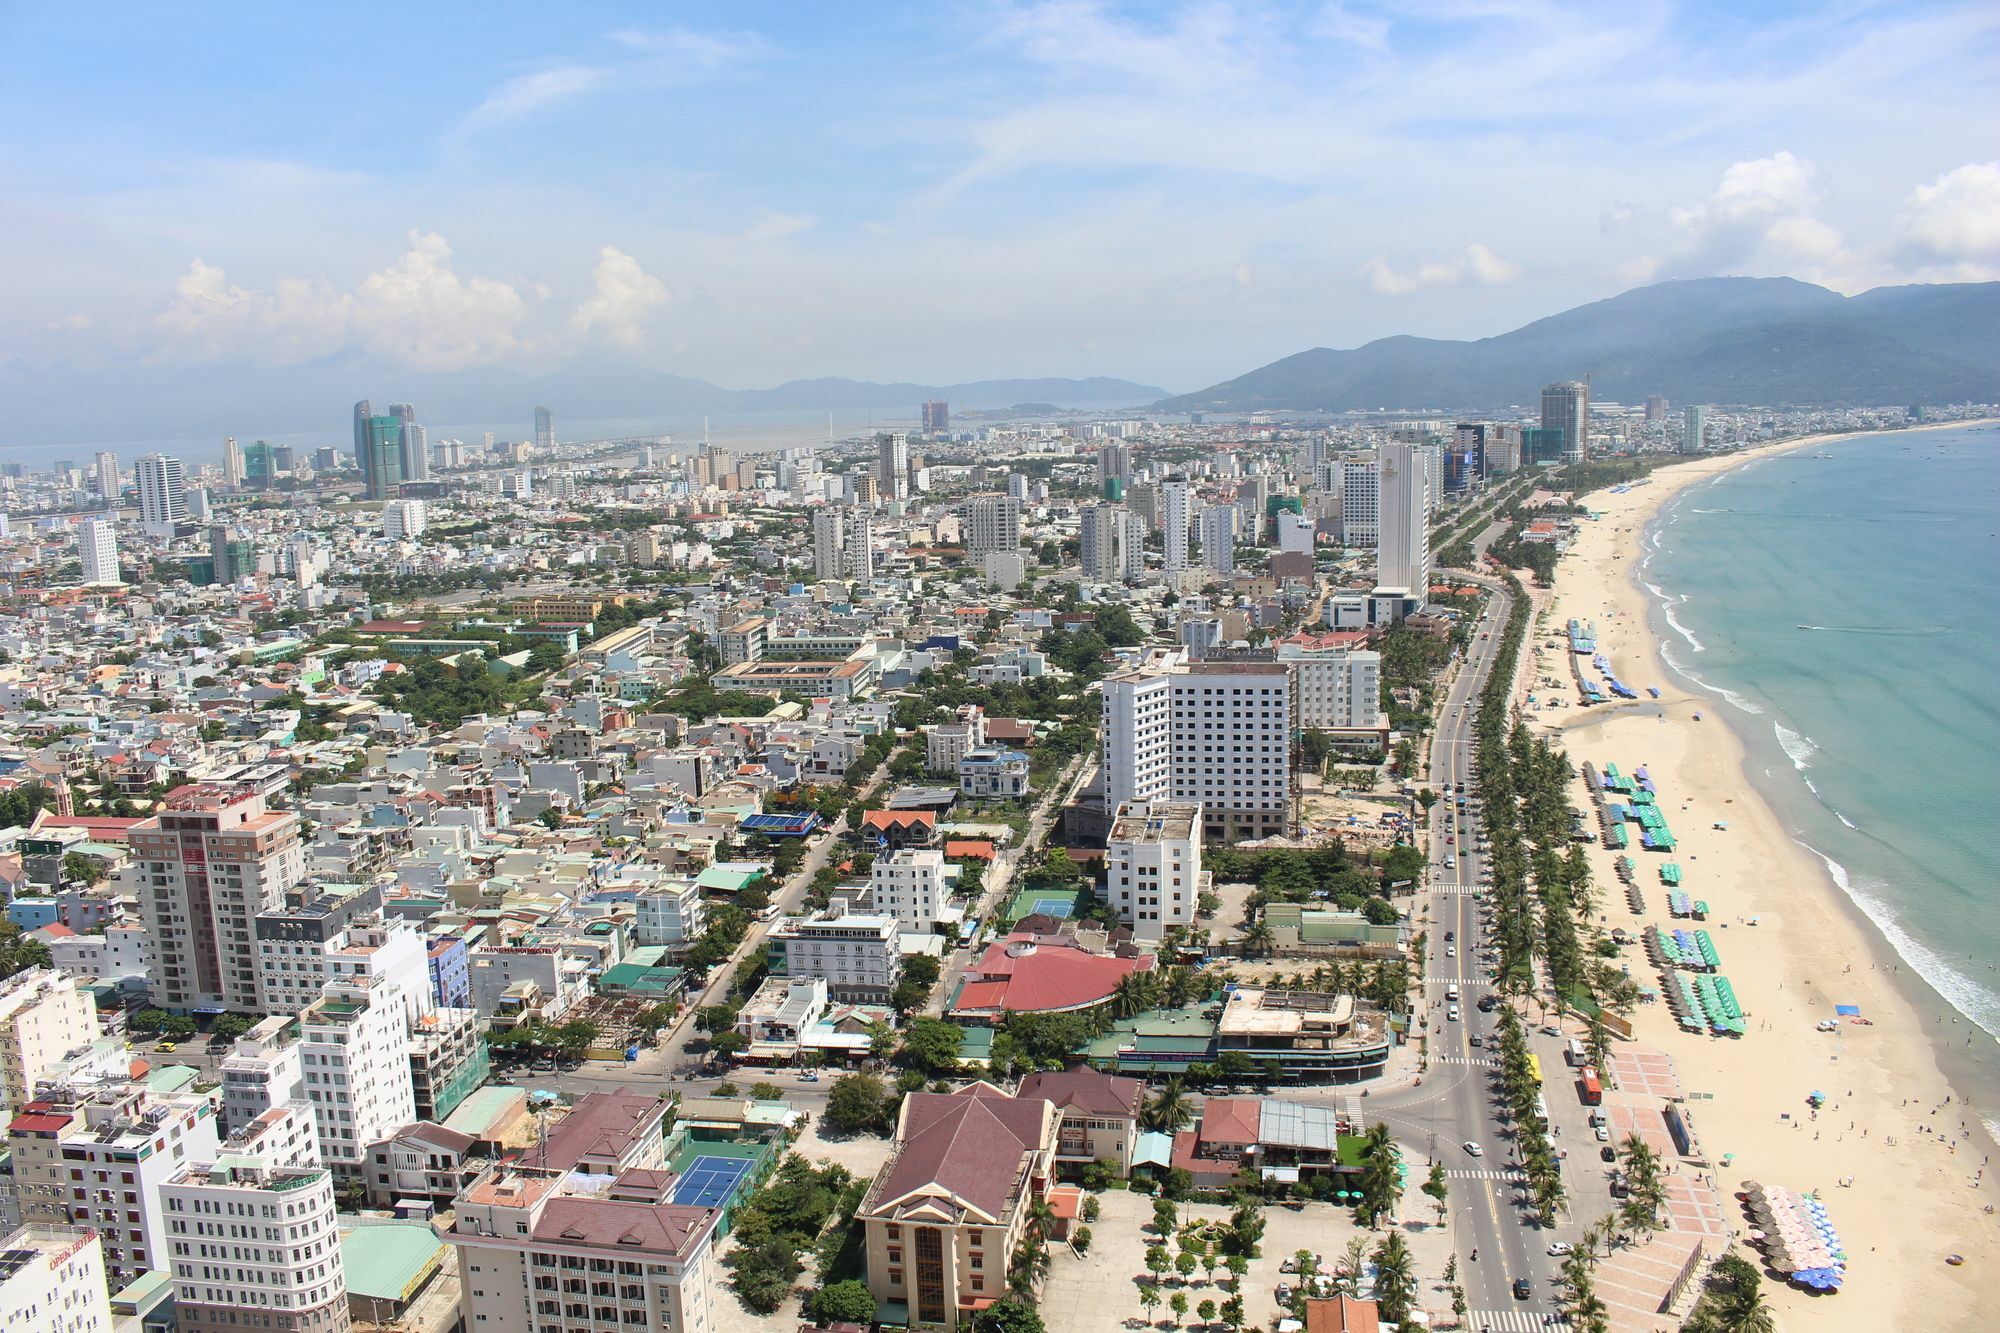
(1560, 1248)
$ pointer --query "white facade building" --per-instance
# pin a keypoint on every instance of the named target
(1176, 516)
(992, 523)
(162, 493)
(1360, 504)
(403, 519)
(52, 1281)
(265, 1070)
(43, 1017)
(912, 884)
(843, 544)
(1295, 534)
(97, 545)
(856, 954)
(1214, 733)
(355, 1048)
(1218, 540)
(1152, 862)
(1338, 688)
(669, 913)
(1402, 547)
(255, 1245)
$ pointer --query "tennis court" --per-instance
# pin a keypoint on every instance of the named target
(708, 1181)
(1061, 904)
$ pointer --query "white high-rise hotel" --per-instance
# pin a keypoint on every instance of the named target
(1176, 514)
(843, 544)
(97, 544)
(1215, 733)
(1403, 543)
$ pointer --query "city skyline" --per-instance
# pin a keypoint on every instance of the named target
(1103, 195)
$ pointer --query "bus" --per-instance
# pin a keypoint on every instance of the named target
(1541, 1111)
(1592, 1090)
(1535, 1069)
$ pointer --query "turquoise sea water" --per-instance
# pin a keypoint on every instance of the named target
(1843, 602)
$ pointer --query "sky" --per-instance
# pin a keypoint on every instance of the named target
(940, 192)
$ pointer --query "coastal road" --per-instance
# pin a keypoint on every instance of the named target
(1456, 1103)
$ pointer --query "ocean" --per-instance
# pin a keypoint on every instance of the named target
(1841, 601)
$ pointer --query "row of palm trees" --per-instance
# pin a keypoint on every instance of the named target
(1521, 1091)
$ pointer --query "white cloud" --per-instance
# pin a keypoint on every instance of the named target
(1759, 221)
(1957, 216)
(624, 296)
(708, 49)
(420, 313)
(777, 226)
(417, 312)
(528, 93)
(1477, 264)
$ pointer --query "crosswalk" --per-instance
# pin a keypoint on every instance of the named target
(1478, 1060)
(1457, 890)
(1519, 1319)
(1470, 1173)
(1462, 982)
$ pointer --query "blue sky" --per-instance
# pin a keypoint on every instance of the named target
(749, 193)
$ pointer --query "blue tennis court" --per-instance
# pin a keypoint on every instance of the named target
(708, 1181)
(1055, 907)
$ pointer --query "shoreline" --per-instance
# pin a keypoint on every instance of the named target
(1898, 1194)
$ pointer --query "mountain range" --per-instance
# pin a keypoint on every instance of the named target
(67, 404)
(1765, 341)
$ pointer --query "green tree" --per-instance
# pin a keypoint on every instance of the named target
(846, 1302)
(1168, 1111)
(1381, 1186)
(856, 1103)
(1164, 1216)
(1007, 1316)
(1178, 1303)
(1438, 1190)
(1395, 1278)
(1205, 1311)
(932, 1045)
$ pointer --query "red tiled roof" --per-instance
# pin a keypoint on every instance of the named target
(970, 1148)
(979, 849)
(652, 1228)
(1087, 1090)
(1341, 1314)
(1047, 979)
(601, 1125)
(889, 819)
(1232, 1120)
(1009, 729)
(37, 1123)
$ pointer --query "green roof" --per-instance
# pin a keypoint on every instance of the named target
(727, 879)
(389, 1261)
(170, 1078)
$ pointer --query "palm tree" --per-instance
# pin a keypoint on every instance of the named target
(1351, 1266)
(1169, 1110)
(1129, 996)
(1030, 1266)
(1395, 1278)
(1259, 940)
(1182, 987)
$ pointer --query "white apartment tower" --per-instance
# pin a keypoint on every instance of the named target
(911, 885)
(1218, 540)
(52, 1281)
(1176, 514)
(97, 544)
(233, 471)
(203, 868)
(1402, 544)
(1218, 734)
(255, 1245)
(43, 1017)
(106, 470)
(162, 493)
(1152, 862)
(1338, 689)
(992, 523)
(843, 544)
(1360, 504)
(403, 519)
(1112, 544)
(892, 466)
(354, 1043)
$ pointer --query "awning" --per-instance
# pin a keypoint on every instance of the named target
(1285, 1175)
(1848, 1010)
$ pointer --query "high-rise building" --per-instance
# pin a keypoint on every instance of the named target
(1017, 486)
(232, 461)
(363, 414)
(1360, 504)
(162, 493)
(1694, 428)
(843, 543)
(1295, 533)
(402, 519)
(1656, 408)
(252, 1240)
(1112, 544)
(545, 430)
(1339, 689)
(106, 472)
(97, 544)
(384, 469)
(1465, 459)
(1218, 540)
(355, 1039)
(412, 445)
(1152, 863)
(1542, 446)
(1114, 470)
(1566, 407)
(1176, 516)
(210, 861)
(1215, 733)
(992, 523)
(260, 464)
(937, 417)
(52, 1281)
(1402, 545)
(892, 466)
(912, 885)
(43, 1017)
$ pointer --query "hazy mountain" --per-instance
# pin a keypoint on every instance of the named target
(1710, 340)
(66, 404)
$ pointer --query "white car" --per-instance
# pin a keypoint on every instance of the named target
(1451, 951)
(1561, 1248)
(1603, 1134)
(1473, 1149)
